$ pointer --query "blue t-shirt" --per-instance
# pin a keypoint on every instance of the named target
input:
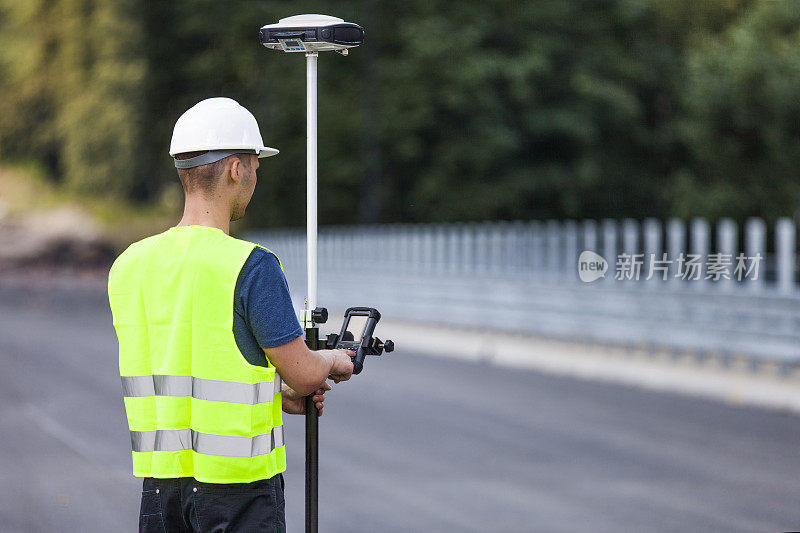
(263, 315)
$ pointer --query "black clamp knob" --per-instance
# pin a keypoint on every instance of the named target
(388, 346)
(319, 315)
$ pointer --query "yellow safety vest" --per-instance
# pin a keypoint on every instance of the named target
(195, 406)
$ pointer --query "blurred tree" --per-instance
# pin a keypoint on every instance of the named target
(100, 72)
(72, 72)
(741, 118)
(29, 37)
(487, 109)
(540, 109)
(689, 18)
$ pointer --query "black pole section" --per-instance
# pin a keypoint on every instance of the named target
(312, 446)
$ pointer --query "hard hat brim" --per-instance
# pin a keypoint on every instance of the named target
(266, 151)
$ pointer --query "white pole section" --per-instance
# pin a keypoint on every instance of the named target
(311, 177)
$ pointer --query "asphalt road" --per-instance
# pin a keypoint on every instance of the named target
(413, 444)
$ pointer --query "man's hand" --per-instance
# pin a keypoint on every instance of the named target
(304, 370)
(342, 365)
(294, 403)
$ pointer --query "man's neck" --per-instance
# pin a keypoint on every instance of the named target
(200, 211)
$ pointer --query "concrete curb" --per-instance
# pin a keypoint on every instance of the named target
(733, 384)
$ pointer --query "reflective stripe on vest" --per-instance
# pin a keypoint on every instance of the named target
(173, 440)
(203, 389)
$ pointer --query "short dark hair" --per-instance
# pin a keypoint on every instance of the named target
(205, 177)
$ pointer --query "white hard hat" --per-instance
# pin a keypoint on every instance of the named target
(220, 125)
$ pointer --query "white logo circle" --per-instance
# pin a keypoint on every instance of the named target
(591, 266)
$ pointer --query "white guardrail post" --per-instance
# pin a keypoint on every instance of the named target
(785, 254)
(610, 247)
(652, 251)
(755, 246)
(700, 247)
(727, 245)
(676, 245)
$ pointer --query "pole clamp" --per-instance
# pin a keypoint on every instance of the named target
(310, 317)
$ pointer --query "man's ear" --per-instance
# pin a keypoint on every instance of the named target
(234, 168)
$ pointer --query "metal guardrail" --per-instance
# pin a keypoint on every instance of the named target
(522, 277)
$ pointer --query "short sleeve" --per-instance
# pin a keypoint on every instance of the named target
(263, 299)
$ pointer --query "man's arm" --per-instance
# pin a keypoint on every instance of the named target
(304, 370)
(262, 298)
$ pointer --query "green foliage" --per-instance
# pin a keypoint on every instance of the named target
(499, 109)
(73, 72)
(741, 120)
(26, 74)
(544, 109)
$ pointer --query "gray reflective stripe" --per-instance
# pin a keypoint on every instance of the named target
(277, 436)
(162, 440)
(135, 386)
(204, 389)
(173, 385)
(172, 440)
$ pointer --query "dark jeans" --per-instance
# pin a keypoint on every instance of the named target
(186, 505)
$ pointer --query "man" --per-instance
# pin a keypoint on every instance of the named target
(210, 350)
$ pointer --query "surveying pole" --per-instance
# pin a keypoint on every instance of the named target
(311, 34)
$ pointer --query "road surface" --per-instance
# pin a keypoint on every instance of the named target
(415, 443)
